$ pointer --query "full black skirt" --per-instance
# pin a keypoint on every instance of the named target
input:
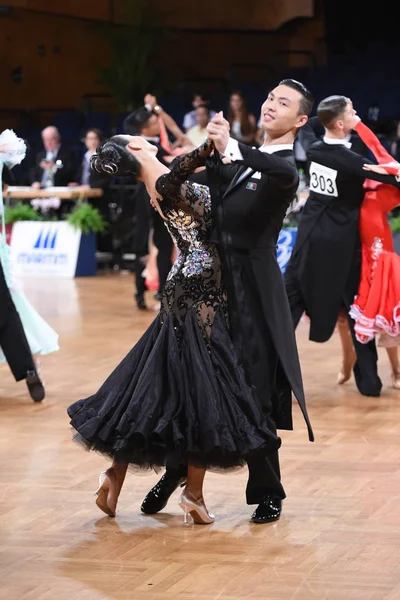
(176, 396)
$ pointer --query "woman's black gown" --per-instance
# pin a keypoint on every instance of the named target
(180, 394)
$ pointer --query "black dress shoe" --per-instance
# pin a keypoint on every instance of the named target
(159, 495)
(141, 304)
(269, 510)
(35, 386)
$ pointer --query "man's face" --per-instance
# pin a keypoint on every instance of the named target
(202, 117)
(197, 100)
(51, 140)
(152, 128)
(280, 111)
(347, 117)
(92, 140)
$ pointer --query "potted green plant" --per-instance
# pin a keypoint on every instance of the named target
(394, 223)
(90, 221)
(19, 212)
(131, 43)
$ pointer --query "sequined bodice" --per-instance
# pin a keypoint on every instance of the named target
(195, 279)
(191, 233)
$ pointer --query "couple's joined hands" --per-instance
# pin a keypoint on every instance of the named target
(218, 131)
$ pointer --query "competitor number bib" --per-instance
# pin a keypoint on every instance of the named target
(323, 180)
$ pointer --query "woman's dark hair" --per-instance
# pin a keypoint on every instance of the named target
(245, 124)
(307, 99)
(330, 109)
(113, 157)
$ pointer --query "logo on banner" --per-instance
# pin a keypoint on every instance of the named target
(286, 240)
(46, 241)
(46, 249)
(43, 250)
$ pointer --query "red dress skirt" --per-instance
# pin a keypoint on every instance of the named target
(376, 308)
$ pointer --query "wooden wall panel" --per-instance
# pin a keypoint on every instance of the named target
(224, 14)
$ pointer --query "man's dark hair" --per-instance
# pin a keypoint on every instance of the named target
(330, 109)
(136, 121)
(307, 99)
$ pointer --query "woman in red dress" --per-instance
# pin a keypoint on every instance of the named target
(376, 308)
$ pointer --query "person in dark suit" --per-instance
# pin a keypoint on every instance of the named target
(323, 273)
(250, 199)
(55, 165)
(87, 178)
(13, 340)
(145, 123)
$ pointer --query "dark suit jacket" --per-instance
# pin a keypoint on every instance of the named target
(249, 220)
(65, 174)
(96, 180)
(326, 258)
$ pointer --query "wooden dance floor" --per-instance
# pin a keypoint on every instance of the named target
(339, 535)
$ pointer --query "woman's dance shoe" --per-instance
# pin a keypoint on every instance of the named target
(396, 380)
(108, 492)
(196, 509)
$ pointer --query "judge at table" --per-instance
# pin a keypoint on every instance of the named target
(55, 165)
(85, 176)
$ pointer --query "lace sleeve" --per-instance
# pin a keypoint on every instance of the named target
(173, 187)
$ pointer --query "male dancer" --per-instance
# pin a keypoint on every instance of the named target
(323, 273)
(249, 218)
(12, 336)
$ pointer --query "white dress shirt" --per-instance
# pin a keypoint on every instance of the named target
(337, 141)
(233, 152)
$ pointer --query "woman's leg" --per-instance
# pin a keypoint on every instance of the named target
(348, 353)
(192, 501)
(194, 482)
(394, 363)
(110, 484)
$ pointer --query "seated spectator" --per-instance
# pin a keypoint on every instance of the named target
(243, 124)
(55, 165)
(85, 176)
(198, 133)
(189, 120)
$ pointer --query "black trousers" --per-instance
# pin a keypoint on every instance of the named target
(264, 471)
(12, 336)
(366, 367)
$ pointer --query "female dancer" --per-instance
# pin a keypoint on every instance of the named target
(42, 339)
(180, 393)
(376, 309)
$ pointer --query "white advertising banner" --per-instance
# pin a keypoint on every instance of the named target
(44, 249)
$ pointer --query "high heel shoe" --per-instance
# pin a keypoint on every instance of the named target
(396, 381)
(196, 509)
(108, 492)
